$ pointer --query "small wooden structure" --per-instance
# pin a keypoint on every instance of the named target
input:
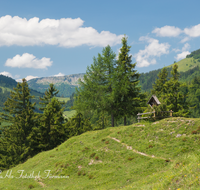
(153, 101)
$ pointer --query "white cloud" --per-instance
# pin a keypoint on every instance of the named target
(147, 56)
(19, 80)
(186, 47)
(193, 31)
(59, 75)
(182, 55)
(28, 61)
(29, 77)
(184, 52)
(185, 39)
(66, 32)
(167, 31)
(176, 50)
(5, 73)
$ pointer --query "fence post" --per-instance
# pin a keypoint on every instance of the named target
(170, 113)
(154, 115)
(138, 118)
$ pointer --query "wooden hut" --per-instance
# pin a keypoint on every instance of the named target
(153, 101)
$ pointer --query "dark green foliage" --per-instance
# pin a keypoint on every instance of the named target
(194, 54)
(69, 103)
(7, 82)
(171, 93)
(17, 142)
(129, 99)
(52, 130)
(77, 125)
(96, 92)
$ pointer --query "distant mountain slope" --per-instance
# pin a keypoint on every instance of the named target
(7, 84)
(65, 84)
(191, 61)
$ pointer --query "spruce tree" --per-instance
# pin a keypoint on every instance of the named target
(51, 131)
(96, 91)
(160, 88)
(16, 142)
(175, 98)
(128, 94)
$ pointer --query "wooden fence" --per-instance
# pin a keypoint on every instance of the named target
(154, 115)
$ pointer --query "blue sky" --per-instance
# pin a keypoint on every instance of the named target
(48, 38)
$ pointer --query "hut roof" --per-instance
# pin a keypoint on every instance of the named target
(153, 97)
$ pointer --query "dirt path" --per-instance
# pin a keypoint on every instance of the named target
(141, 153)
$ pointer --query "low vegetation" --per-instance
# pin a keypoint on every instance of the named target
(160, 155)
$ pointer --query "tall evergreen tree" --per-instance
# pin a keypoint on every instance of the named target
(175, 98)
(129, 98)
(96, 91)
(16, 142)
(159, 88)
(51, 131)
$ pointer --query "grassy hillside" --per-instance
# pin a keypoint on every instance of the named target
(187, 64)
(160, 155)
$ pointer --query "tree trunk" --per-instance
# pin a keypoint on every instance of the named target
(124, 120)
(112, 119)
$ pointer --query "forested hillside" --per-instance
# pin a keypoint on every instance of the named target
(7, 84)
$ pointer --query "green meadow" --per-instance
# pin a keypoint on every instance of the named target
(148, 155)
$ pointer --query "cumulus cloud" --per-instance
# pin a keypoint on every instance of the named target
(28, 61)
(66, 32)
(182, 55)
(167, 31)
(193, 31)
(186, 47)
(5, 73)
(29, 77)
(184, 52)
(59, 75)
(185, 39)
(147, 56)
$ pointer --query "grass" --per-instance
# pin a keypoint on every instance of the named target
(186, 64)
(90, 163)
(63, 99)
(70, 113)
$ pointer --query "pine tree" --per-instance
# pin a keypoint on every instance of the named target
(96, 91)
(16, 142)
(128, 96)
(52, 131)
(159, 88)
(175, 98)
